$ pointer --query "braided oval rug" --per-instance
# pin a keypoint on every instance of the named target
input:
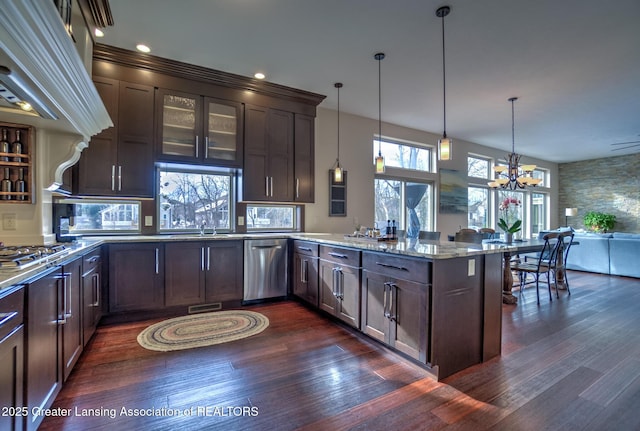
(199, 330)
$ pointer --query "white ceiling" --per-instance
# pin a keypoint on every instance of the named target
(574, 64)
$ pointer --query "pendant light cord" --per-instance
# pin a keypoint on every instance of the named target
(379, 57)
(513, 127)
(338, 85)
(444, 84)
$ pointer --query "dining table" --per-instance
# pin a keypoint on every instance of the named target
(518, 247)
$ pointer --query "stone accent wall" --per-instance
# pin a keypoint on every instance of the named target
(610, 185)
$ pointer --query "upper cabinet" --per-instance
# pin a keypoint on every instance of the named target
(268, 157)
(119, 160)
(304, 158)
(199, 129)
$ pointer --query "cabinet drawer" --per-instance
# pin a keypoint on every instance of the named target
(11, 310)
(91, 260)
(404, 268)
(345, 256)
(305, 247)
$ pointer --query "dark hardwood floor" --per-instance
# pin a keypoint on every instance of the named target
(570, 364)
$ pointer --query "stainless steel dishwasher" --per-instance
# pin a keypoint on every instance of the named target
(265, 268)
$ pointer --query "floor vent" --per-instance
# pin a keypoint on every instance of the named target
(216, 306)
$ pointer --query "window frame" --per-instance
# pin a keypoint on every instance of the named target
(105, 201)
(190, 169)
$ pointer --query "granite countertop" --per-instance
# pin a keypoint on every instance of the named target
(408, 247)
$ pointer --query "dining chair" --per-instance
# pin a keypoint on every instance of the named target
(488, 233)
(435, 236)
(566, 238)
(467, 230)
(545, 263)
(472, 237)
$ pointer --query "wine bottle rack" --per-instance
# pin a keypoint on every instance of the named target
(16, 163)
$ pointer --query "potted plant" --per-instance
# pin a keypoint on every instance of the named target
(599, 222)
(509, 221)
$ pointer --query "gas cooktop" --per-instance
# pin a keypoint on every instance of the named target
(19, 257)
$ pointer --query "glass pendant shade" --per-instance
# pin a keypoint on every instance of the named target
(337, 174)
(444, 149)
(379, 164)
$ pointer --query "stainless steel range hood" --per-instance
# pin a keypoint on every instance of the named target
(40, 65)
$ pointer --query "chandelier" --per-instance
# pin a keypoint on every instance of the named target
(514, 176)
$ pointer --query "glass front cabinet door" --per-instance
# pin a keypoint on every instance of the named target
(197, 129)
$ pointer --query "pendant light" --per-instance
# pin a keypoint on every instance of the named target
(444, 144)
(379, 159)
(514, 176)
(337, 170)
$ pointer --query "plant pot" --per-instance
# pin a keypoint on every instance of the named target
(508, 237)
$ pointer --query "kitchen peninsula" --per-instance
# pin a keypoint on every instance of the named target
(436, 302)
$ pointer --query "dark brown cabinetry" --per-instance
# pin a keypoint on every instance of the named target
(45, 318)
(71, 329)
(305, 271)
(340, 283)
(304, 158)
(136, 277)
(120, 160)
(91, 293)
(199, 129)
(224, 271)
(268, 155)
(394, 302)
(12, 356)
(203, 272)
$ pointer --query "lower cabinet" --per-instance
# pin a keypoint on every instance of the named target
(136, 277)
(199, 272)
(44, 321)
(305, 271)
(71, 329)
(394, 302)
(91, 293)
(340, 283)
(12, 358)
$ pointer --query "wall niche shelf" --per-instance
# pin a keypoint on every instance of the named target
(16, 168)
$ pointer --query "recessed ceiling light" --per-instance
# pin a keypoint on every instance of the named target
(98, 32)
(259, 75)
(143, 48)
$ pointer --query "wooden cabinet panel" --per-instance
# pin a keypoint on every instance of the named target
(304, 165)
(91, 293)
(340, 283)
(224, 271)
(268, 159)
(394, 309)
(135, 169)
(44, 318)
(12, 358)
(72, 341)
(120, 160)
(136, 277)
(184, 273)
(305, 277)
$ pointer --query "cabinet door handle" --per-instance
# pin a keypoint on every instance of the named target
(208, 258)
(7, 318)
(96, 289)
(335, 282)
(271, 185)
(119, 178)
(297, 188)
(93, 259)
(201, 258)
(386, 265)
(266, 186)
(341, 285)
(206, 147)
(197, 145)
(304, 271)
(157, 261)
(338, 255)
(384, 300)
(113, 178)
(304, 249)
(393, 291)
(61, 320)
